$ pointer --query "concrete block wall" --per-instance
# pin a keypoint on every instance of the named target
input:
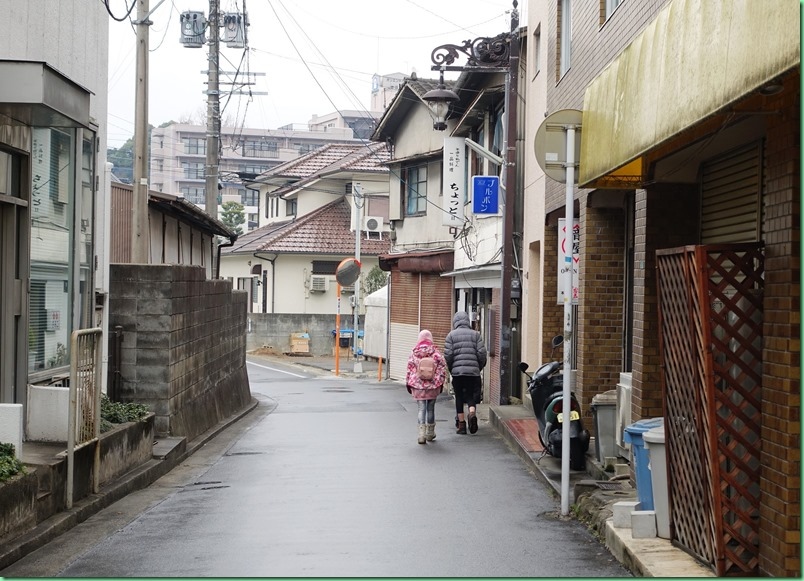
(184, 345)
(273, 330)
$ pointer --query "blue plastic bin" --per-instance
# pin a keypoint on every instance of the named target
(633, 435)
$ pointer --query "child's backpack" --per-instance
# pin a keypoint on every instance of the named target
(426, 368)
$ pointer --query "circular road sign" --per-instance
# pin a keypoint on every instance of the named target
(550, 143)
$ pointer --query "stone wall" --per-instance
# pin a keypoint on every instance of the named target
(184, 345)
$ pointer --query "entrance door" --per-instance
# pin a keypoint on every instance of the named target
(13, 269)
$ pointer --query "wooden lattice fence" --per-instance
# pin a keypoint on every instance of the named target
(710, 311)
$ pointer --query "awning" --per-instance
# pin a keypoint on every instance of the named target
(694, 59)
(37, 95)
(486, 276)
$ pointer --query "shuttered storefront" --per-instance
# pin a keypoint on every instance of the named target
(731, 195)
(417, 301)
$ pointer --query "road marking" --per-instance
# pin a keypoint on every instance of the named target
(275, 369)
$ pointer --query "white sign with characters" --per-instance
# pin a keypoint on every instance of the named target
(454, 181)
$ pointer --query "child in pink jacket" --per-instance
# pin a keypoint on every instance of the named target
(426, 374)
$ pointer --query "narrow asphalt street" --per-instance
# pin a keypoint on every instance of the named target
(325, 478)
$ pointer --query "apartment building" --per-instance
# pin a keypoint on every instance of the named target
(178, 155)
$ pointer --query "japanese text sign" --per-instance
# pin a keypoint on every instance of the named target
(485, 194)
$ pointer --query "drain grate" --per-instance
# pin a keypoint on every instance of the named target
(609, 485)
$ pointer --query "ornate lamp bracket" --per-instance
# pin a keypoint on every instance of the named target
(483, 52)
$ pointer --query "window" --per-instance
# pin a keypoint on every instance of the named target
(290, 207)
(537, 49)
(195, 195)
(160, 165)
(193, 171)
(260, 148)
(565, 44)
(61, 246)
(194, 145)
(249, 197)
(254, 168)
(609, 6)
(415, 184)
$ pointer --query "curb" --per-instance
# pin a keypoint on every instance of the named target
(167, 454)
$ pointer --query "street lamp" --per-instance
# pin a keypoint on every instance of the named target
(439, 100)
(499, 54)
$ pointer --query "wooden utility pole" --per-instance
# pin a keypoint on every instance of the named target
(139, 221)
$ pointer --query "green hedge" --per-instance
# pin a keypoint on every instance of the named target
(10, 465)
(120, 413)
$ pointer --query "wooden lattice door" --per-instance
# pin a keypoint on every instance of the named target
(710, 311)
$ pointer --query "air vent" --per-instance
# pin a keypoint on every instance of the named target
(319, 284)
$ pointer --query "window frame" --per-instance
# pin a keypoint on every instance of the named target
(408, 188)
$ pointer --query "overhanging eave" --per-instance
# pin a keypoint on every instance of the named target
(694, 59)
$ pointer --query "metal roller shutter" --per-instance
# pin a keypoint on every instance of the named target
(731, 187)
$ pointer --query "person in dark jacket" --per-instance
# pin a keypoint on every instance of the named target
(466, 356)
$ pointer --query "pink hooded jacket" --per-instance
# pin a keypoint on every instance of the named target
(424, 389)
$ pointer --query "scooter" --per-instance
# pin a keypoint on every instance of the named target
(546, 387)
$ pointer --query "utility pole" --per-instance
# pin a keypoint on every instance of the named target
(213, 112)
(357, 195)
(139, 222)
(511, 127)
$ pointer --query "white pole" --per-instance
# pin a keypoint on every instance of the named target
(569, 218)
(357, 196)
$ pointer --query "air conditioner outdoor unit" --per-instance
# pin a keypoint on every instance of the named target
(319, 284)
(372, 223)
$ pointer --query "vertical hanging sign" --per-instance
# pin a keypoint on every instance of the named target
(454, 181)
(575, 240)
(486, 195)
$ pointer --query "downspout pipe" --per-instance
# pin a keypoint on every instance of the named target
(273, 279)
(232, 239)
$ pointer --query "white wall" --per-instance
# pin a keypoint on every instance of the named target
(533, 250)
(291, 283)
(375, 328)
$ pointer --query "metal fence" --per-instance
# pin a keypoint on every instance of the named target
(83, 422)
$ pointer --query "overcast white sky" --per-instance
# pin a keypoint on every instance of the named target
(318, 56)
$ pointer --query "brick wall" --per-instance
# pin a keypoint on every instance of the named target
(184, 345)
(666, 216)
(600, 311)
(594, 46)
(780, 511)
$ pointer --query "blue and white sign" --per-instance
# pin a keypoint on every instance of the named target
(486, 194)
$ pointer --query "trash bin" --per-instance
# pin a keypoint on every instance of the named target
(633, 435)
(604, 410)
(657, 457)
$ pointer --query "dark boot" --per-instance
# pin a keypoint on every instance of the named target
(461, 428)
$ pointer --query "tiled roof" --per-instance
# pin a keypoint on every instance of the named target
(331, 158)
(322, 231)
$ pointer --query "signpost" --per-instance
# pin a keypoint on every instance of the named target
(346, 274)
(558, 150)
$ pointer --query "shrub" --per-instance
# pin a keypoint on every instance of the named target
(120, 413)
(9, 464)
